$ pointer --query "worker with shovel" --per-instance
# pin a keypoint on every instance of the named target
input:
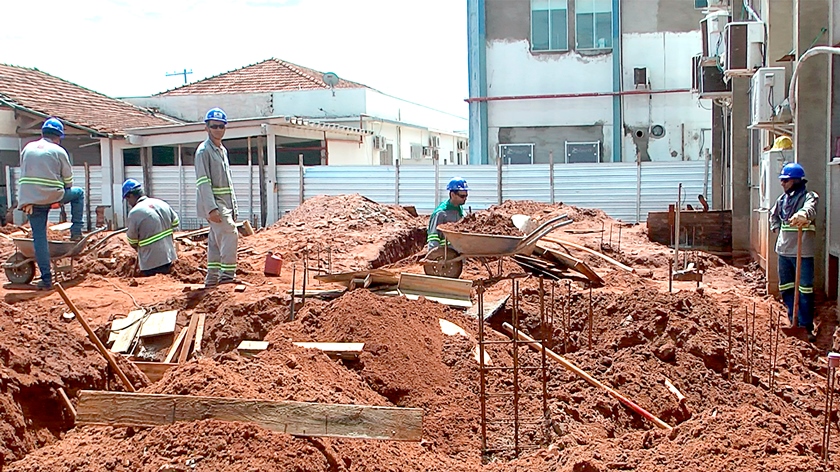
(217, 201)
(46, 180)
(794, 213)
(150, 226)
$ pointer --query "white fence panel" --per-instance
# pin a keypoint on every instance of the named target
(95, 195)
(375, 182)
(288, 189)
(482, 180)
(247, 194)
(609, 187)
(660, 182)
(527, 182)
(417, 187)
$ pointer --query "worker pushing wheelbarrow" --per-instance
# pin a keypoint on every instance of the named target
(447, 260)
(20, 266)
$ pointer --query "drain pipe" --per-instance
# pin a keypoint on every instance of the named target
(476, 50)
(793, 90)
(618, 120)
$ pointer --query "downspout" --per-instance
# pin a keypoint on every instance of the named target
(618, 121)
(476, 50)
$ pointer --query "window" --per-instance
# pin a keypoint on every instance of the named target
(549, 25)
(593, 24)
(699, 4)
(583, 152)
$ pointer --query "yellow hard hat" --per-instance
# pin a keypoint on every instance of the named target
(782, 143)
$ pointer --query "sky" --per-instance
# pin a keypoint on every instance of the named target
(415, 50)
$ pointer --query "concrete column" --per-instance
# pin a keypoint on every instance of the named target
(812, 138)
(476, 47)
(271, 178)
(719, 176)
(740, 162)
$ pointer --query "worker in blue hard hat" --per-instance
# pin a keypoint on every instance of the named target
(449, 211)
(217, 201)
(795, 210)
(46, 181)
(151, 223)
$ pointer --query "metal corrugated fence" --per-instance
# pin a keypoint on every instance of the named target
(95, 195)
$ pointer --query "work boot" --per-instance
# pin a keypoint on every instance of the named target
(44, 285)
(75, 237)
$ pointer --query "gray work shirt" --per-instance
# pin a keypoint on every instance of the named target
(786, 241)
(44, 173)
(214, 185)
(150, 226)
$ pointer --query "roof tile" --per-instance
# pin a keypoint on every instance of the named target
(271, 75)
(43, 93)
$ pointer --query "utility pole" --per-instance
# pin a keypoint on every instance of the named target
(185, 72)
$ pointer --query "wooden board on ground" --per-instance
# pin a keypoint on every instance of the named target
(251, 348)
(327, 294)
(572, 263)
(193, 287)
(296, 418)
(590, 251)
(176, 345)
(154, 370)
(239, 288)
(32, 292)
(199, 333)
(490, 307)
(188, 339)
(124, 330)
(347, 277)
(452, 292)
(158, 324)
(347, 351)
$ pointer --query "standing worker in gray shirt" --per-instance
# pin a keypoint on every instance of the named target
(150, 226)
(46, 180)
(216, 201)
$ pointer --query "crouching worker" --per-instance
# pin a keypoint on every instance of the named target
(150, 226)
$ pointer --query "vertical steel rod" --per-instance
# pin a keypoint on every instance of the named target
(729, 347)
(515, 288)
(567, 316)
(544, 329)
(481, 374)
(746, 343)
(590, 316)
(292, 307)
(752, 345)
(619, 239)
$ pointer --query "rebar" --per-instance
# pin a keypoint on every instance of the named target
(292, 307)
(770, 337)
(567, 315)
(670, 276)
(729, 347)
(746, 343)
(752, 344)
(618, 249)
(544, 329)
(515, 296)
(590, 316)
(305, 276)
(775, 350)
(610, 243)
(329, 259)
(482, 381)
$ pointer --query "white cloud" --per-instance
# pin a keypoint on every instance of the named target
(411, 49)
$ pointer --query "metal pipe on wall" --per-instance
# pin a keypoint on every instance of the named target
(575, 95)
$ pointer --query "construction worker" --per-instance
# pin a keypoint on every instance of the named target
(46, 180)
(796, 209)
(150, 225)
(449, 211)
(216, 200)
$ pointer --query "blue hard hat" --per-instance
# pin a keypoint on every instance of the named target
(129, 185)
(53, 124)
(792, 171)
(457, 184)
(216, 114)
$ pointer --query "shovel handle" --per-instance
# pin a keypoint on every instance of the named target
(798, 276)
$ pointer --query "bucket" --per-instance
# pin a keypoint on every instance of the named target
(273, 264)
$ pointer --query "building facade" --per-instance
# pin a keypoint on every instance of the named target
(585, 81)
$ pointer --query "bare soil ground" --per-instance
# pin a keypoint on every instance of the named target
(641, 335)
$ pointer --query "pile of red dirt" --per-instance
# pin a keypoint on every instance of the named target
(484, 222)
(543, 211)
(340, 212)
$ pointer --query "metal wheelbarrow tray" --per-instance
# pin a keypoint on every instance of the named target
(465, 245)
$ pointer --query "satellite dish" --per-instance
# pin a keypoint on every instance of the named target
(331, 79)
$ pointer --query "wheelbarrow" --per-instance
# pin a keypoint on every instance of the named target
(20, 266)
(448, 260)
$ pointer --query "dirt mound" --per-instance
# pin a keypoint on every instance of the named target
(484, 222)
(344, 211)
(543, 211)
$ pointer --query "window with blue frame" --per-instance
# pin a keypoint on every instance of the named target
(701, 4)
(593, 24)
(549, 25)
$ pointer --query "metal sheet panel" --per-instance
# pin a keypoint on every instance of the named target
(610, 187)
(417, 187)
(482, 180)
(78, 181)
(834, 211)
(375, 182)
(660, 181)
(288, 189)
(527, 182)
(247, 198)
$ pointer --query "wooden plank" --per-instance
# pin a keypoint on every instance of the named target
(67, 404)
(123, 338)
(346, 277)
(453, 292)
(199, 333)
(239, 288)
(574, 264)
(154, 370)
(590, 251)
(32, 291)
(335, 350)
(490, 308)
(296, 418)
(175, 345)
(157, 324)
(252, 346)
(185, 348)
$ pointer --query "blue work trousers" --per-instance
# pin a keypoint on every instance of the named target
(38, 221)
(787, 285)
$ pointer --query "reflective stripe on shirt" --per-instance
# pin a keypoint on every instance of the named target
(44, 182)
(155, 238)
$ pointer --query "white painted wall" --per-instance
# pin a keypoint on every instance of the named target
(8, 126)
(391, 108)
(347, 153)
(320, 103)
(192, 108)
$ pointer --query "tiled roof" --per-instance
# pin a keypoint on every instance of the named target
(42, 93)
(271, 75)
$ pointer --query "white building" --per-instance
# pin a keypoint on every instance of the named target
(585, 81)
(402, 130)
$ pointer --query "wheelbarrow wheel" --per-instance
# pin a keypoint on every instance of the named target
(442, 267)
(22, 274)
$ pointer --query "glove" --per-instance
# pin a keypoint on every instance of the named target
(799, 220)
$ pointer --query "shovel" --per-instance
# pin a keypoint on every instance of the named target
(524, 223)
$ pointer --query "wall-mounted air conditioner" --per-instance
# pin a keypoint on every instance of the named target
(462, 144)
(434, 141)
(744, 48)
(427, 151)
(713, 26)
(767, 92)
(640, 77)
(708, 81)
(769, 169)
(379, 142)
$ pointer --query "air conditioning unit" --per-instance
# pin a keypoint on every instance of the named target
(713, 26)
(769, 169)
(744, 48)
(462, 144)
(710, 83)
(640, 78)
(427, 151)
(767, 92)
(434, 141)
(379, 142)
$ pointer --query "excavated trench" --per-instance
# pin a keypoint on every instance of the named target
(404, 245)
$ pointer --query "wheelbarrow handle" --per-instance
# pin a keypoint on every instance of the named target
(103, 240)
(545, 228)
